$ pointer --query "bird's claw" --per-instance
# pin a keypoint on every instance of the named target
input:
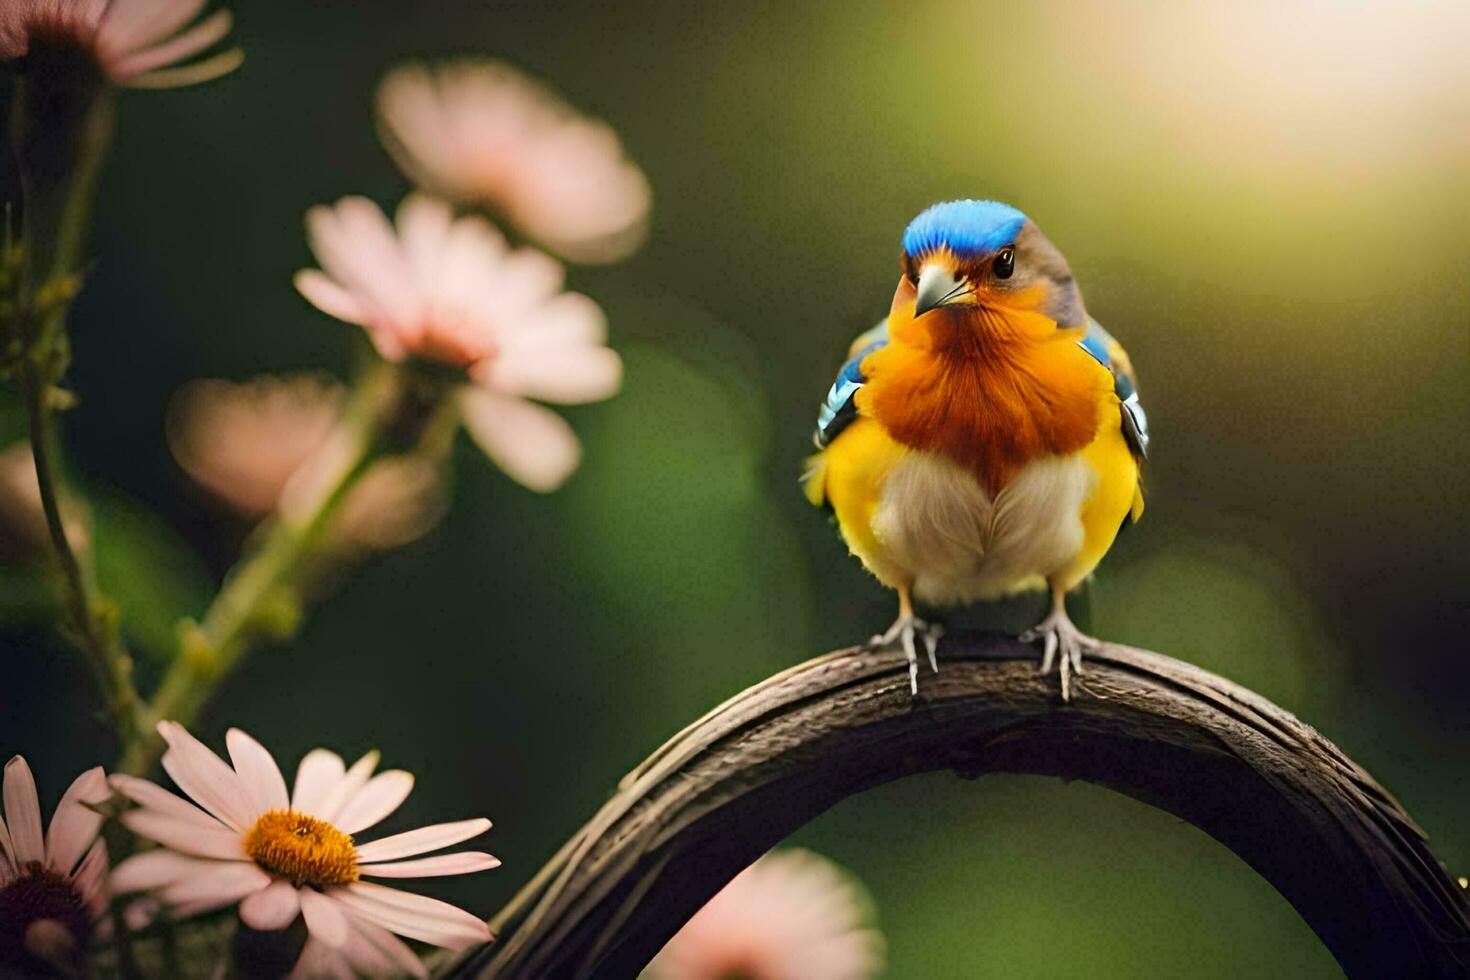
(1062, 645)
(901, 635)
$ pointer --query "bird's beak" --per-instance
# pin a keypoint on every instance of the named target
(937, 287)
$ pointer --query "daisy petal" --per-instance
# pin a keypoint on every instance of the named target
(393, 949)
(176, 49)
(535, 446)
(155, 797)
(348, 786)
(73, 825)
(185, 837)
(318, 773)
(570, 376)
(415, 916)
(379, 797)
(223, 883)
(23, 810)
(466, 862)
(325, 919)
(205, 777)
(155, 869)
(273, 907)
(318, 961)
(258, 772)
(326, 295)
(91, 878)
(421, 841)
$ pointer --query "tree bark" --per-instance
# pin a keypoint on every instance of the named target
(739, 780)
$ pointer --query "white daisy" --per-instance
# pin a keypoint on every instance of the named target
(281, 855)
(52, 882)
(789, 916)
(481, 131)
(451, 291)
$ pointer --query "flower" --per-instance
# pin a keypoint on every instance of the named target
(272, 442)
(23, 533)
(52, 886)
(138, 43)
(790, 916)
(481, 131)
(453, 292)
(281, 855)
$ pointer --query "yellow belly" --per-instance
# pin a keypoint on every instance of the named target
(917, 521)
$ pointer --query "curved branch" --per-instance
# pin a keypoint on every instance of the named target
(739, 780)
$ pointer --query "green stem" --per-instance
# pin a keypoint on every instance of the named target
(92, 616)
(215, 647)
(61, 146)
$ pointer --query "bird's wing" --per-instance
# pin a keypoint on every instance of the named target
(1101, 345)
(839, 409)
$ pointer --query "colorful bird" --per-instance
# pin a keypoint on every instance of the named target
(985, 439)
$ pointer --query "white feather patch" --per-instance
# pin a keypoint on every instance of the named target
(958, 545)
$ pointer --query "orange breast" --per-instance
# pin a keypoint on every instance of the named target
(990, 388)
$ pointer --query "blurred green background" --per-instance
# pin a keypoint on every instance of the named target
(1265, 202)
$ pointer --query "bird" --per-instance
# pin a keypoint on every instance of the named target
(986, 438)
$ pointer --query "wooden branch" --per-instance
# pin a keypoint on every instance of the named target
(742, 778)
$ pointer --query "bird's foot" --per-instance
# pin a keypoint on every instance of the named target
(1063, 644)
(902, 635)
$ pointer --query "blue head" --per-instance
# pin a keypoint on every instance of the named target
(969, 229)
(989, 254)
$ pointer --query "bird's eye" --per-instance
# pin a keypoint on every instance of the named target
(1005, 263)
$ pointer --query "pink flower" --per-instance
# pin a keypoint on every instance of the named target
(481, 131)
(453, 292)
(271, 443)
(790, 916)
(52, 885)
(280, 855)
(134, 42)
(23, 532)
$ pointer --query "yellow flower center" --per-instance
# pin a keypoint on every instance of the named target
(300, 847)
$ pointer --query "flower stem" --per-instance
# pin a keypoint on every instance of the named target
(61, 144)
(241, 612)
(93, 617)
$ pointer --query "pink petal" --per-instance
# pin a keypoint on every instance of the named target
(185, 836)
(131, 24)
(223, 884)
(74, 826)
(415, 916)
(347, 787)
(7, 849)
(201, 774)
(318, 961)
(155, 797)
(393, 949)
(185, 45)
(258, 772)
(566, 320)
(155, 869)
(91, 878)
(379, 797)
(424, 223)
(23, 811)
(570, 376)
(534, 445)
(466, 862)
(422, 840)
(318, 773)
(326, 295)
(273, 907)
(325, 919)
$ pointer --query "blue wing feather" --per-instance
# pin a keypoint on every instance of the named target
(1100, 344)
(839, 409)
